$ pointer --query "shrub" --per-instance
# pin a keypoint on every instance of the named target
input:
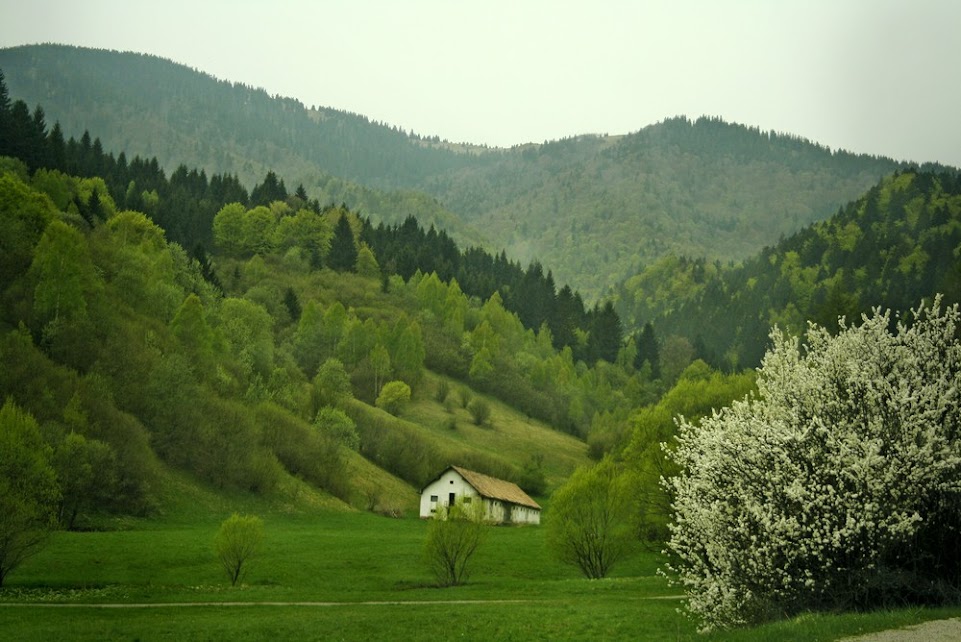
(838, 486)
(338, 426)
(480, 410)
(453, 536)
(393, 397)
(303, 450)
(442, 391)
(28, 488)
(239, 540)
(588, 523)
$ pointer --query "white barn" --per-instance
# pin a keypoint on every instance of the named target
(504, 501)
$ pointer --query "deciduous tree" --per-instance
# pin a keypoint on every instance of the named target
(393, 397)
(238, 541)
(453, 536)
(589, 520)
(28, 488)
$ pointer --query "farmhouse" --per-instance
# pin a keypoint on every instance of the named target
(504, 502)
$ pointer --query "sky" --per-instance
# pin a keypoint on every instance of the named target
(870, 76)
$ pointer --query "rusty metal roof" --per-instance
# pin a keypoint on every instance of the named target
(493, 488)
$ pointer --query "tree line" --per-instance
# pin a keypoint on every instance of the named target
(186, 204)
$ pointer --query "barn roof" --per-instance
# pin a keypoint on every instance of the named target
(494, 488)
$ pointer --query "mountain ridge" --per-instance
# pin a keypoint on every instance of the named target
(590, 208)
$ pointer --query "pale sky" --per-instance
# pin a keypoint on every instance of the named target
(873, 76)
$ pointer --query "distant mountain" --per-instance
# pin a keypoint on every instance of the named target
(144, 105)
(590, 208)
(896, 245)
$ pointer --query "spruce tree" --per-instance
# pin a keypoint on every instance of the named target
(5, 134)
(647, 351)
(343, 251)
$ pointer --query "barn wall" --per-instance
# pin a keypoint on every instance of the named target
(449, 482)
(452, 482)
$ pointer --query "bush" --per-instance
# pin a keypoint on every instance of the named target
(837, 487)
(442, 391)
(304, 450)
(338, 426)
(28, 488)
(453, 537)
(238, 541)
(588, 523)
(480, 410)
(393, 397)
(396, 446)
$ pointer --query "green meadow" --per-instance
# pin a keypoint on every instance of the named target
(337, 575)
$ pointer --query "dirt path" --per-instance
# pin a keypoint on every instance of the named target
(171, 605)
(934, 631)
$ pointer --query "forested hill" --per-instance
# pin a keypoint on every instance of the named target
(897, 244)
(590, 208)
(593, 208)
(150, 107)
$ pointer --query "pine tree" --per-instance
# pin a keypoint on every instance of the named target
(5, 137)
(269, 191)
(647, 351)
(343, 250)
(605, 338)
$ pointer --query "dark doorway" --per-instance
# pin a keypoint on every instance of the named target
(450, 500)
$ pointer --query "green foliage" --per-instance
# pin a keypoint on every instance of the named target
(191, 328)
(698, 393)
(480, 411)
(64, 274)
(332, 385)
(453, 537)
(338, 426)
(239, 540)
(589, 520)
(367, 263)
(86, 472)
(28, 488)
(25, 214)
(442, 391)
(393, 397)
(311, 454)
(532, 478)
(229, 228)
(713, 185)
(343, 246)
(396, 446)
(891, 247)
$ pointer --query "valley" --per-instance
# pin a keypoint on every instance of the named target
(214, 302)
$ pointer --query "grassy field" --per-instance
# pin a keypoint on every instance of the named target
(509, 435)
(337, 575)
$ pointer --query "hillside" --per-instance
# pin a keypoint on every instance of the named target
(262, 373)
(897, 244)
(589, 208)
(149, 107)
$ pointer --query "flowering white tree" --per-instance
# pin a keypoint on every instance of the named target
(837, 486)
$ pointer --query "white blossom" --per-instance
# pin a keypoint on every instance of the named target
(837, 484)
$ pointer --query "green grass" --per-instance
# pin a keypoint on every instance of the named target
(509, 436)
(357, 576)
(341, 557)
